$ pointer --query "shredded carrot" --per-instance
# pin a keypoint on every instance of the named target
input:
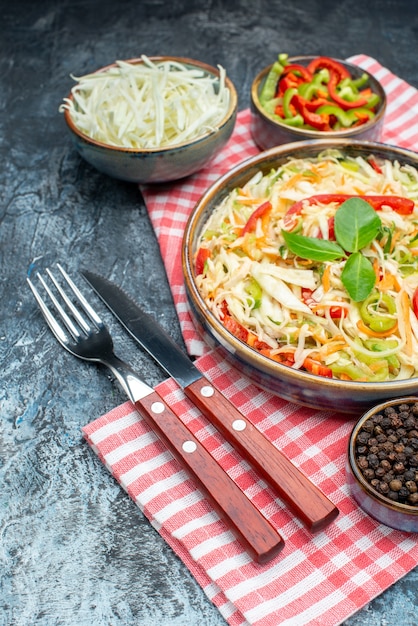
(373, 333)
(388, 282)
(332, 346)
(405, 304)
(376, 268)
(247, 201)
(395, 237)
(291, 182)
(326, 282)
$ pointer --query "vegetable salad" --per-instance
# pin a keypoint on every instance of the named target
(315, 265)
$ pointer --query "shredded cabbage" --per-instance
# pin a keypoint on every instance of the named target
(148, 105)
(296, 310)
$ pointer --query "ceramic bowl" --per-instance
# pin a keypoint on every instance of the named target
(297, 386)
(268, 132)
(382, 508)
(159, 165)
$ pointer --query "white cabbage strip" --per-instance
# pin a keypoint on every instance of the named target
(148, 105)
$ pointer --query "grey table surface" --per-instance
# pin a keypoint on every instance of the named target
(74, 549)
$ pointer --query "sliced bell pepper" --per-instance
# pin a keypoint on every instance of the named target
(323, 82)
(255, 292)
(259, 212)
(289, 109)
(361, 101)
(268, 90)
(300, 70)
(346, 118)
(378, 311)
(415, 302)
(399, 204)
(315, 367)
(319, 122)
(203, 254)
(329, 64)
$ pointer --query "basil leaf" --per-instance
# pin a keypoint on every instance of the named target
(356, 224)
(311, 248)
(358, 277)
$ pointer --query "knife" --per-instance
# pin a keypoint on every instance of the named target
(308, 502)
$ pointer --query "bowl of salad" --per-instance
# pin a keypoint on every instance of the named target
(151, 119)
(302, 264)
(311, 97)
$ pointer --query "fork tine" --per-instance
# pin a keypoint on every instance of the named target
(94, 317)
(46, 312)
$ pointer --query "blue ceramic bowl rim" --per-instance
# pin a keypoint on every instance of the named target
(232, 109)
(405, 509)
(313, 134)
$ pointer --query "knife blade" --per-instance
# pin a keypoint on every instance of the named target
(309, 503)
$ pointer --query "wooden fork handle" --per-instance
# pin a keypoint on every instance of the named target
(251, 528)
(306, 499)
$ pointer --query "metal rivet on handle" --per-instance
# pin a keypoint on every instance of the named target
(189, 446)
(157, 407)
(239, 425)
(207, 391)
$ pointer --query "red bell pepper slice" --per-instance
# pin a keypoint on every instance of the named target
(343, 104)
(329, 64)
(203, 254)
(336, 312)
(374, 165)
(315, 367)
(299, 69)
(240, 332)
(415, 302)
(320, 122)
(399, 204)
(255, 215)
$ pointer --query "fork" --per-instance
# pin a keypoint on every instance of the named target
(81, 331)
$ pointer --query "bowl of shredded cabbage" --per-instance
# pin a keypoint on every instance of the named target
(151, 119)
(302, 264)
(309, 97)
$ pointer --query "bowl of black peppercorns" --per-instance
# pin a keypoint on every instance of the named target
(382, 463)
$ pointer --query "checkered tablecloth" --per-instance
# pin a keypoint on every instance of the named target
(318, 579)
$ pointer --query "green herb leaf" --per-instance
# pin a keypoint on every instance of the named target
(311, 248)
(358, 277)
(356, 224)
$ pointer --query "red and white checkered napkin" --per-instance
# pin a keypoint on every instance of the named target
(317, 579)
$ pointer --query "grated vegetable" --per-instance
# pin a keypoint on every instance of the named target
(148, 105)
(298, 309)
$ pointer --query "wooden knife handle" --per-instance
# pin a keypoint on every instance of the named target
(306, 500)
(251, 528)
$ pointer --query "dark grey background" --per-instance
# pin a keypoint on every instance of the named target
(74, 550)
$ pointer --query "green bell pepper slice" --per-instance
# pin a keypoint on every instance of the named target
(378, 312)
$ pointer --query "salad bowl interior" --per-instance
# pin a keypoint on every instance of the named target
(296, 385)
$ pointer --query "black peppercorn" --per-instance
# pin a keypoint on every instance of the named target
(387, 452)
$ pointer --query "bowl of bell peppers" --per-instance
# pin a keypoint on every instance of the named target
(315, 97)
